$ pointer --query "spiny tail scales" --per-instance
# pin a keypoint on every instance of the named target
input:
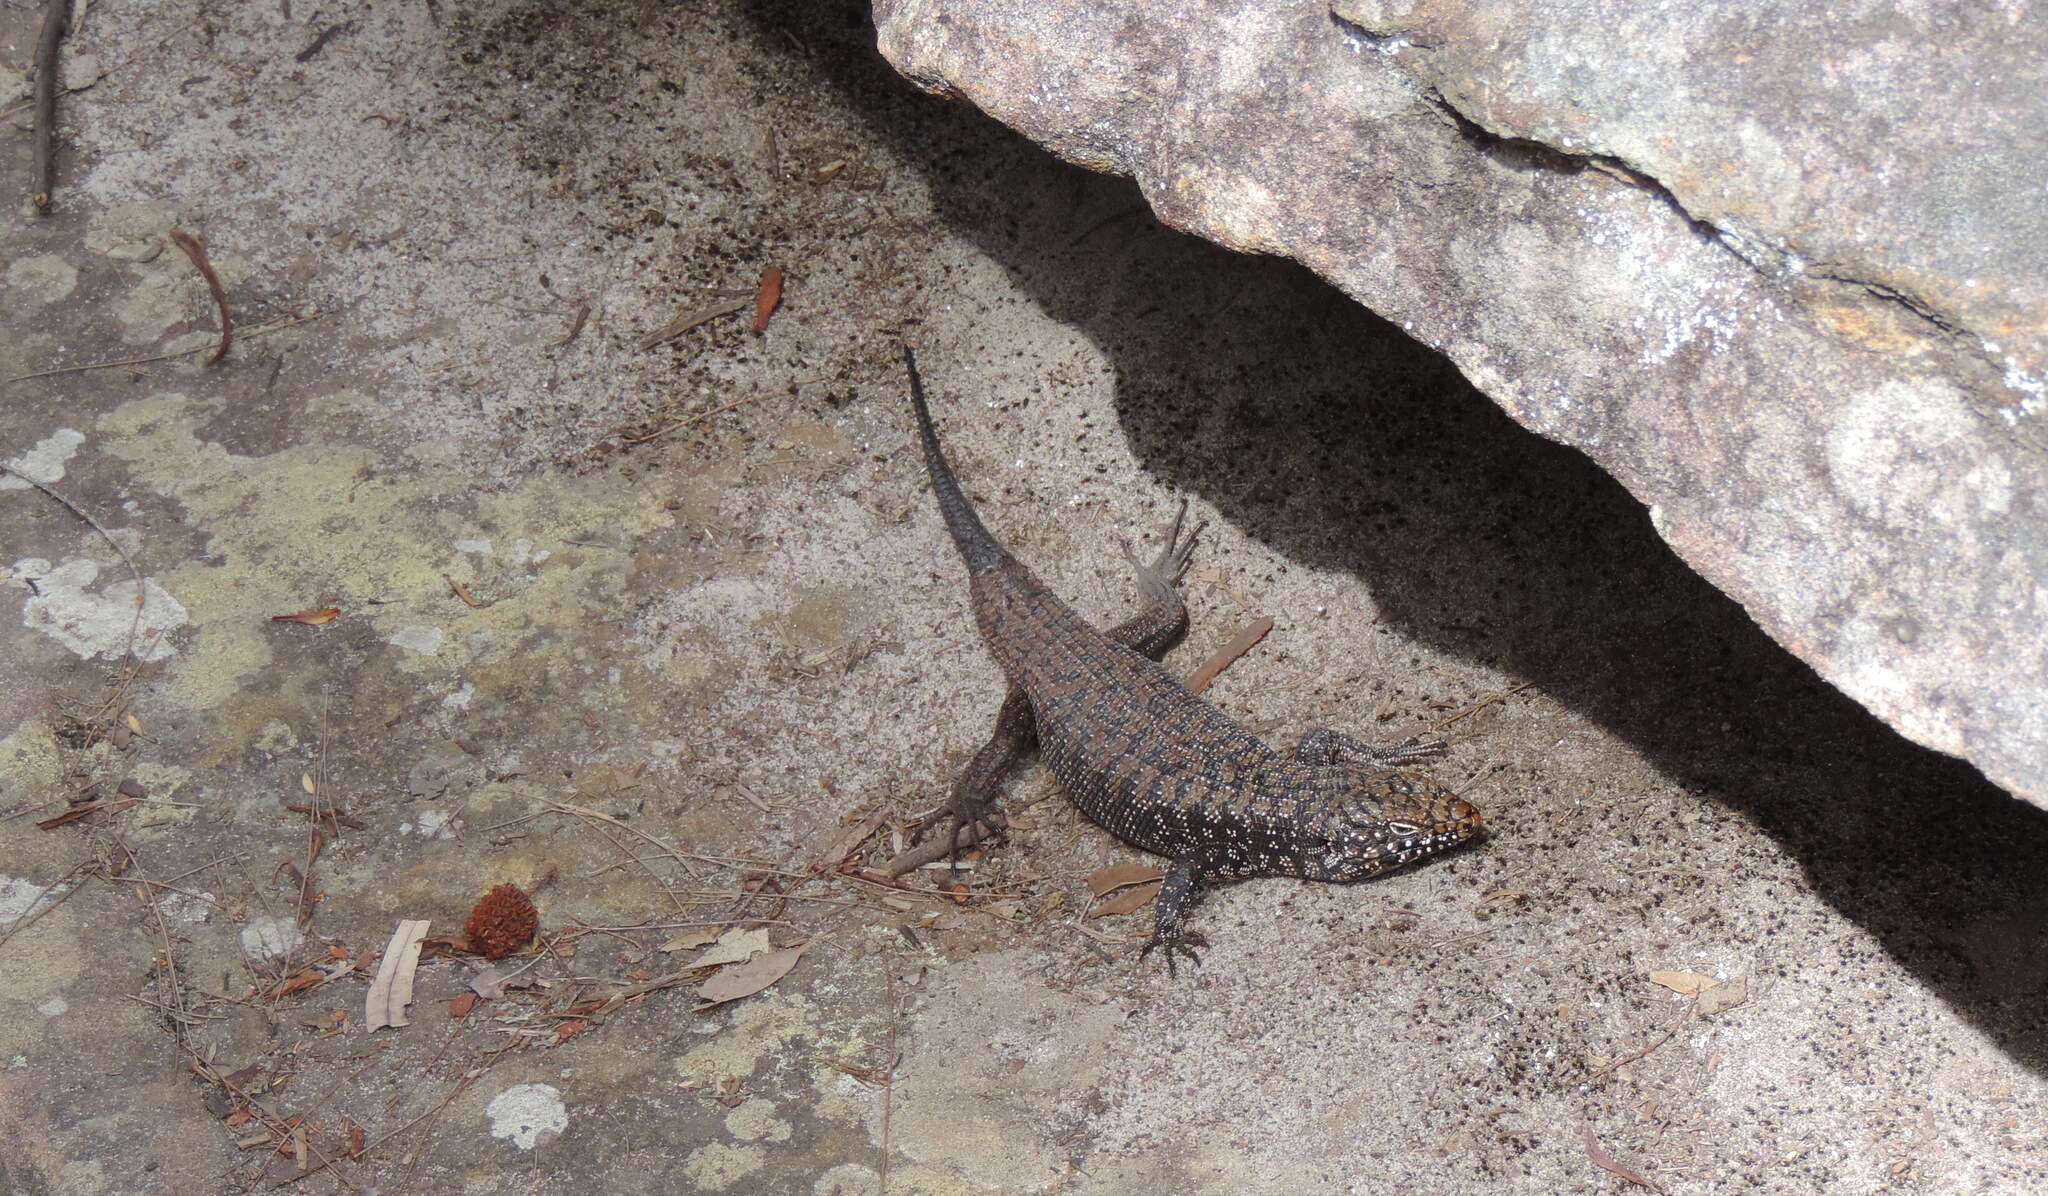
(977, 547)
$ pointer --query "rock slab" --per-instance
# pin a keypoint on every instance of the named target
(1783, 272)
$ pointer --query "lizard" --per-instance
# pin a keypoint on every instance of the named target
(1160, 768)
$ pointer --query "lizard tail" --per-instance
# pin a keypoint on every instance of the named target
(977, 547)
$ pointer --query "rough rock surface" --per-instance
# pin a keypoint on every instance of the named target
(732, 638)
(1783, 273)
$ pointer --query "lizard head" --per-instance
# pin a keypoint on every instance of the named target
(1387, 820)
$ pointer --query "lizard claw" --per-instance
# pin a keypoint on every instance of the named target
(1182, 943)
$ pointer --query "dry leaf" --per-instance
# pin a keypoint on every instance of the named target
(391, 991)
(311, 618)
(462, 1004)
(1689, 984)
(750, 977)
(491, 983)
(1724, 996)
(1127, 901)
(568, 1030)
(1116, 876)
(767, 297)
(132, 724)
(689, 940)
(734, 946)
(306, 782)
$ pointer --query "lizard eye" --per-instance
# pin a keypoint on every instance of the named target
(1404, 828)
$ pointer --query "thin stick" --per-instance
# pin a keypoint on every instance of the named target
(1661, 1039)
(1225, 656)
(43, 172)
(627, 852)
(36, 909)
(196, 250)
(1476, 707)
(134, 624)
(247, 334)
(702, 415)
(888, 1085)
(690, 319)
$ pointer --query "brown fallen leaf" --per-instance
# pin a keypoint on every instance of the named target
(298, 981)
(1116, 876)
(767, 297)
(1128, 901)
(1607, 1162)
(1689, 984)
(462, 1004)
(311, 618)
(690, 940)
(568, 1030)
(744, 980)
(391, 991)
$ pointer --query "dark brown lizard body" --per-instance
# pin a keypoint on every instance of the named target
(1156, 765)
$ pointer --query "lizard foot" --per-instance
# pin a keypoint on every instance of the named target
(1157, 580)
(1324, 746)
(957, 816)
(1181, 943)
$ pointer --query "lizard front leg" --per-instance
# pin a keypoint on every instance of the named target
(1182, 890)
(1324, 746)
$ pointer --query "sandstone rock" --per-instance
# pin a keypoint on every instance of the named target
(1782, 271)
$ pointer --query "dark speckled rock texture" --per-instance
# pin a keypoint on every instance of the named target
(1781, 270)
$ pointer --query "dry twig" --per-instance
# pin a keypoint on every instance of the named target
(1225, 656)
(1476, 707)
(690, 319)
(134, 624)
(196, 250)
(247, 334)
(43, 172)
(702, 415)
(1691, 1007)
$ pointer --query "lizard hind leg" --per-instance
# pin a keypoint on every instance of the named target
(1324, 746)
(1162, 617)
(979, 787)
